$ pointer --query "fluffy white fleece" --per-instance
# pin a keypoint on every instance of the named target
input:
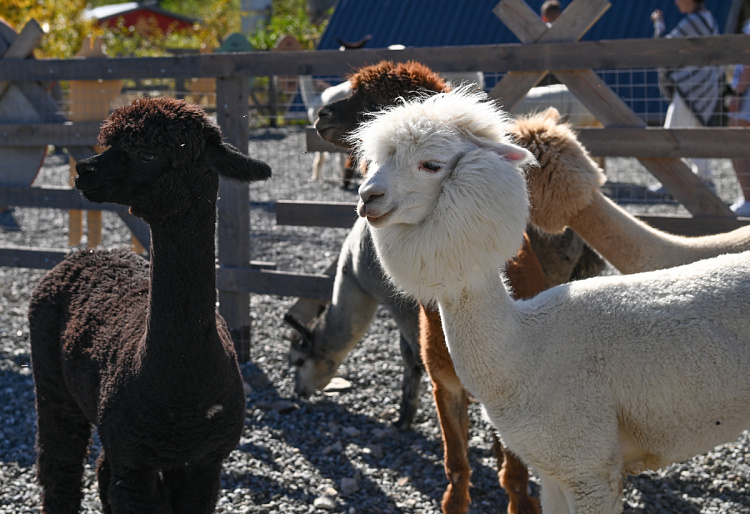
(588, 380)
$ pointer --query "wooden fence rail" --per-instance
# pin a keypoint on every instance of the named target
(236, 277)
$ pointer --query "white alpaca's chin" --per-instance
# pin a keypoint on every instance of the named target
(379, 221)
(375, 217)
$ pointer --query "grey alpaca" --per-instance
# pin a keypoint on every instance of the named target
(134, 348)
(359, 287)
(319, 349)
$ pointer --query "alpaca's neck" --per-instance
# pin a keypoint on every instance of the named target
(482, 328)
(633, 246)
(183, 281)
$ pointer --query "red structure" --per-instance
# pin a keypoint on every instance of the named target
(143, 17)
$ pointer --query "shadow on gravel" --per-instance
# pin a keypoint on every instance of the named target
(18, 427)
(331, 437)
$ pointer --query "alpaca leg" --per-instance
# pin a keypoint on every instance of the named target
(554, 498)
(514, 478)
(348, 170)
(452, 404)
(104, 477)
(136, 492)
(410, 386)
(595, 495)
(63, 434)
(318, 161)
(452, 407)
(194, 490)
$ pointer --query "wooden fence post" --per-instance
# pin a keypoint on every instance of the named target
(89, 101)
(232, 113)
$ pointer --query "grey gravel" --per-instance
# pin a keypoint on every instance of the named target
(336, 452)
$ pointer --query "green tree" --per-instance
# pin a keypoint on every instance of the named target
(66, 26)
(62, 20)
(288, 17)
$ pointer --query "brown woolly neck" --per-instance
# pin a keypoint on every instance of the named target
(632, 246)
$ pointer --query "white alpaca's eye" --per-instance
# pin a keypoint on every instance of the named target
(431, 166)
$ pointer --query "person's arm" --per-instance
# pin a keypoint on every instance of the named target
(657, 18)
(742, 86)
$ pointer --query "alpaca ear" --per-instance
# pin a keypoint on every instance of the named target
(514, 153)
(298, 326)
(551, 114)
(232, 164)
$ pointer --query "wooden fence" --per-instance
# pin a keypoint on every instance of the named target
(236, 277)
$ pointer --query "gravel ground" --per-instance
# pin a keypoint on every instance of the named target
(337, 451)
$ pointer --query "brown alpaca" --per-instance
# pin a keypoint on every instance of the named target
(565, 192)
(526, 279)
(562, 258)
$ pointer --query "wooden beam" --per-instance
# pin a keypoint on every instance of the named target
(22, 46)
(521, 19)
(683, 225)
(52, 197)
(58, 134)
(138, 228)
(316, 214)
(608, 108)
(513, 87)
(258, 281)
(598, 98)
(696, 225)
(577, 18)
(47, 258)
(553, 56)
(572, 24)
(604, 104)
(714, 143)
(27, 257)
(305, 309)
(315, 143)
(234, 211)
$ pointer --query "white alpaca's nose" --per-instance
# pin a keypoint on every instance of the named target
(370, 190)
(370, 193)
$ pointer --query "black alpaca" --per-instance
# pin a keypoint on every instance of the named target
(138, 349)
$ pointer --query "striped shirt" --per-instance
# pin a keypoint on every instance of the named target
(697, 85)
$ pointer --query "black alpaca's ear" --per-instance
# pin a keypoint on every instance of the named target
(232, 164)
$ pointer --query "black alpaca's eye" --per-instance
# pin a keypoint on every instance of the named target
(431, 166)
(146, 156)
(374, 107)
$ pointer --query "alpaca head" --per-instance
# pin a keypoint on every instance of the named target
(315, 365)
(444, 194)
(565, 179)
(164, 157)
(374, 87)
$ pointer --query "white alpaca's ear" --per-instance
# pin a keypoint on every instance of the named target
(513, 153)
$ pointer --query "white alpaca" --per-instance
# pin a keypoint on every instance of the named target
(313, 102)
(587, 380)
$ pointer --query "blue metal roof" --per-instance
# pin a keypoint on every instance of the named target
(471, 22)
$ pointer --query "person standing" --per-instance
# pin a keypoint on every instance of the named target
(739, 116)
(694, 91)
(550, 11)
